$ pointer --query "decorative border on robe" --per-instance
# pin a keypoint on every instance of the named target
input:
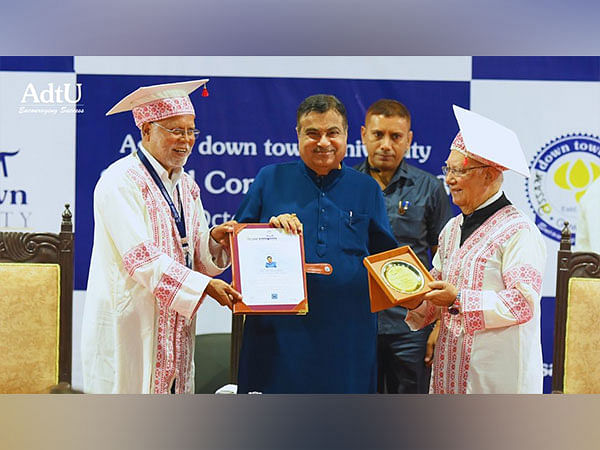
(472, 309)
(173, 346)
(140, 255)
(170, 283)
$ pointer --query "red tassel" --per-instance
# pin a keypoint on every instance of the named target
(204, 92)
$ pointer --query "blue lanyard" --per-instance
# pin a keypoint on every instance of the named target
(179, 219)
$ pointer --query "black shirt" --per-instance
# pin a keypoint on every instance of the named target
(476, 218)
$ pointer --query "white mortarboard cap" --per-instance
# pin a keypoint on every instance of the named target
(150, 103)
(488, 141)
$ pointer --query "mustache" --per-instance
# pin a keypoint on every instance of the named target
(323, 150)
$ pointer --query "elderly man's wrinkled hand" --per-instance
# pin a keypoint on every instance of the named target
(289, 222)
(442, 293)
(222, 292)
(221, 233)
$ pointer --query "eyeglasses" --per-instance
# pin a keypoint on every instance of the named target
(180, 132)
(458, 172)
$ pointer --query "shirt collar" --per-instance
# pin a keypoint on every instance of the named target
(161, 171)
(323, 180)
(491, 200)
(401, 171)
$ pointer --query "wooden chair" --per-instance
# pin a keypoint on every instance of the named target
(577, 315)
(237, 333)
(36, 294)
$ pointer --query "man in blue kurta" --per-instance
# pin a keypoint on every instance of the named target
(343, 218)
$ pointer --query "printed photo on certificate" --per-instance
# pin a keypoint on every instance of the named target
(268, 266)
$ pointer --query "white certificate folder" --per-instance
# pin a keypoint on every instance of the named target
(269, 270)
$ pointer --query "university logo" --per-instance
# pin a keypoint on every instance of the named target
(59, 94)
(561, 172)
(52, 100)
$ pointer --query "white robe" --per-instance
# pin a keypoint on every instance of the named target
(493, 345)
(138, 325)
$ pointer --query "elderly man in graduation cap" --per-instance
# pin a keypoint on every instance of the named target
(153, 255)
(489, 270)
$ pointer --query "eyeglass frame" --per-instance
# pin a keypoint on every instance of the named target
(459, 172)
(178, 132)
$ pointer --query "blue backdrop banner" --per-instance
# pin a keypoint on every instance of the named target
(247, 123)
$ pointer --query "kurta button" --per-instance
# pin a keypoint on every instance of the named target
(322, 228)
(322, 194)
(322, 210)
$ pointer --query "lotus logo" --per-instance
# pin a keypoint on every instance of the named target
(561, 172)
(3, 156)
(576, 176)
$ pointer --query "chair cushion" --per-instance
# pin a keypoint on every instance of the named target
(29, 327)
(582, 342)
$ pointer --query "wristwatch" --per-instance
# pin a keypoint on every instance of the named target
(452, 309)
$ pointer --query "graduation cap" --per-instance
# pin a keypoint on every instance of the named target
(151, 103)
(488, 142)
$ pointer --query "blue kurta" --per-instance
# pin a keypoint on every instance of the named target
(333, 348)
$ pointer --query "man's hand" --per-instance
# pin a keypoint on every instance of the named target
(289, 222)
(442, 293)
(431, 340)
(221, 233)
(412, 304)
(222, 292)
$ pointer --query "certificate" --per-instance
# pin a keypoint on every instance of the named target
(268, 269)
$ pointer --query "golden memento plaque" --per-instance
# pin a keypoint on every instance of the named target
(396, 277)
(402, 276)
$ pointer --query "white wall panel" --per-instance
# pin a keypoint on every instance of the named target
(450, 68)
(39, 124)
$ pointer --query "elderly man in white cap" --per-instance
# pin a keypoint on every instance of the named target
(489, 270)
(153, 255)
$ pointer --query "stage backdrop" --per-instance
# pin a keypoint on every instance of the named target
(248, 121)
